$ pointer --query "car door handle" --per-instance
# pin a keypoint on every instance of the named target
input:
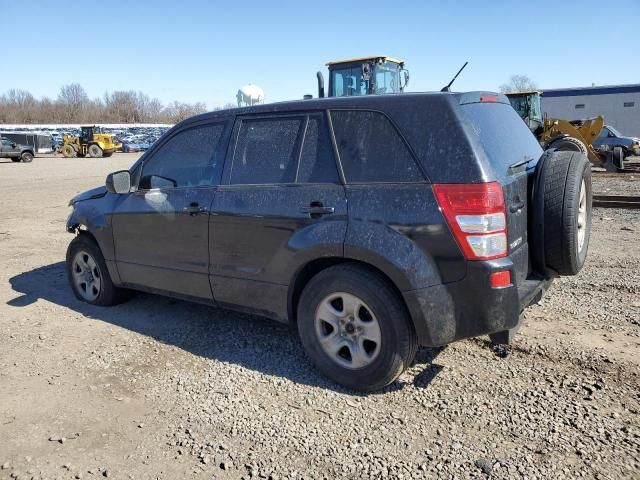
(194, 209)
(317, 210)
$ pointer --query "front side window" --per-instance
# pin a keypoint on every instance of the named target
(371, 149)
(265, 151)
(186, 160)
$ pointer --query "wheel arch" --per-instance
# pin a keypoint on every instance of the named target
(313, 267)
(96, 227)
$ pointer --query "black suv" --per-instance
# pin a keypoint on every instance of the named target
(373, 224)
(15, 151)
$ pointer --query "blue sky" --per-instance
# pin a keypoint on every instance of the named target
(191, 50)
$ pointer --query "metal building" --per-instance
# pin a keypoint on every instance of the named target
(619, 104)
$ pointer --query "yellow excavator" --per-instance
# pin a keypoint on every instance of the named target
(575, 135)
(93, 141)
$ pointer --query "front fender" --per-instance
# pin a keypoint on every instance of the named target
(90, 217)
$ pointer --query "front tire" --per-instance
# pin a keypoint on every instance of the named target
(26, 157)
(68, 151)
(355, 328)
(88, 275)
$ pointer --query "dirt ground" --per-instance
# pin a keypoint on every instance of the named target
(159, 388)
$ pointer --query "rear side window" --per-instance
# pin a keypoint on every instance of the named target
(317, 164)
(371, 149)
(266, 151)
(186, 160)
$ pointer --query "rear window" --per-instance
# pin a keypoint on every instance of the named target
(371, 149)
(504, 136)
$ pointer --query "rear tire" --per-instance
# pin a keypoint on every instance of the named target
(381, 343)
(26, 157)
(566, 185)
(95, 151)
(88, 274)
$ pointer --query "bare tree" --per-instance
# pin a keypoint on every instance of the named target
(518, 83)
(176, 112)
(73, 100)
(73, 105)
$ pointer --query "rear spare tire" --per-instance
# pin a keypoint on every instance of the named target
(563, 190)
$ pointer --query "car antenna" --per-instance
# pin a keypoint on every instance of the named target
(448, 87)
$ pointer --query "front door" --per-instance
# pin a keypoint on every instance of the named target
(161, 230)
(6, 147)
(280, 206)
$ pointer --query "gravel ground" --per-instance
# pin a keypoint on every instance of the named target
(159, 388)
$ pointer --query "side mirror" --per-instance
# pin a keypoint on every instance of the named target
(119, 182)
(405, 74)
(14, 145)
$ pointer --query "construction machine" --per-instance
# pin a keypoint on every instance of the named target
(93, 141)
(373, 75)
(576, 135)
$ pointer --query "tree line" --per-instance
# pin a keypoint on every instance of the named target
(73, 105)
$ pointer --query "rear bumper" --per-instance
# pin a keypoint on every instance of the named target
(470, 307)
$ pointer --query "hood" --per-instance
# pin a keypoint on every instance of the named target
(89, 194)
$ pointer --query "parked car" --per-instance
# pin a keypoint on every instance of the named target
(373, 224)
(15, 151)
(609, 138)
(131, 147)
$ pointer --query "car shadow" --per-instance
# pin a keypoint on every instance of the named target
(252, 342)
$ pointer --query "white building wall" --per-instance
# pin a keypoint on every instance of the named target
(611, 106)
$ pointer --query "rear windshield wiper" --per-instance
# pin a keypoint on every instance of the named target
(515, 166)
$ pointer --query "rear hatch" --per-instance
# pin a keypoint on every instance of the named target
(509, 154)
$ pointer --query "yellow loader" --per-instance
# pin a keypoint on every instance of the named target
(576, 135)
(92, 142)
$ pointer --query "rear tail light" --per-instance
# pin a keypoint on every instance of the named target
(475, 214)
(500, 279)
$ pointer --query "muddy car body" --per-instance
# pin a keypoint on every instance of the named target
(375, 224)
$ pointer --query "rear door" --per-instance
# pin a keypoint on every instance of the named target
(161, 231)
(511, 153)
(282, 204)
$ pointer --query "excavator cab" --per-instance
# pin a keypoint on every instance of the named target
(364, 76)
(527, 104)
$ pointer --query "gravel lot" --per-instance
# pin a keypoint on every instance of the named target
(159, 388)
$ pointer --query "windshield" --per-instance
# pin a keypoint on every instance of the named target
(387, 78)
(612, 130)
(349, 81)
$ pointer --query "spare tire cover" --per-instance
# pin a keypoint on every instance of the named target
(561, 212)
